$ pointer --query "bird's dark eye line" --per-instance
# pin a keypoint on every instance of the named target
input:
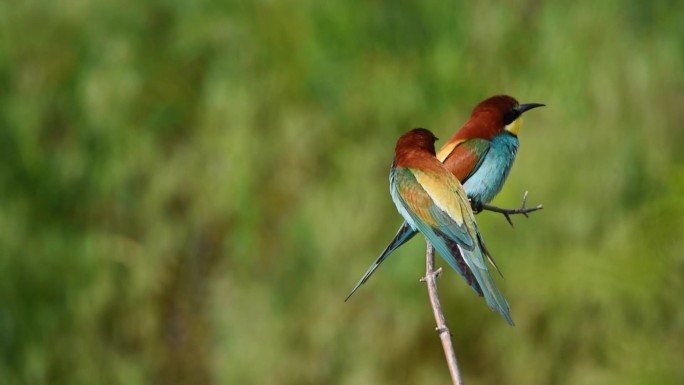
(511, 115)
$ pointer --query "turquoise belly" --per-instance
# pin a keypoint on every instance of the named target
(486, 182)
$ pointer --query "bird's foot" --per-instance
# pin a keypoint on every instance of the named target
(524, 210)
(477, 207)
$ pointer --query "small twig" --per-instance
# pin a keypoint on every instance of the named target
(508, 212)
(444, 334)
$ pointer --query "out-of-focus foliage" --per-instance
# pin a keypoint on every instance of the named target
(188, 190)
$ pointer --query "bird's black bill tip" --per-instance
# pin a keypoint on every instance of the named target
(528, 106)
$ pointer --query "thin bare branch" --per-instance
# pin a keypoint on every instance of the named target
(444, 334)
(524, 210)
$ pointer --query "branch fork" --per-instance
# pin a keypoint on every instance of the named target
(524, 210)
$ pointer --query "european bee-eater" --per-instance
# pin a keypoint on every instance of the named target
(433, 201)
(479, 155)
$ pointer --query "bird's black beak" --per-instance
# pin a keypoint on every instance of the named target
(528, 106)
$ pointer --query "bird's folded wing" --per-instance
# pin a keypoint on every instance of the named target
(439, 201)
(465, 158)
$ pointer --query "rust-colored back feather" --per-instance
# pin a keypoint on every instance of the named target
(461, 162)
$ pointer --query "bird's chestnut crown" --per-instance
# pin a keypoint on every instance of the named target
(418, 138)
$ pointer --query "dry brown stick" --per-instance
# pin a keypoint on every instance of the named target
(444, 334)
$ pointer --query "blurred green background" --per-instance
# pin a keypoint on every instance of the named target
(189, 189)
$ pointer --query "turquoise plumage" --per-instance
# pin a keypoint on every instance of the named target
(492, 170)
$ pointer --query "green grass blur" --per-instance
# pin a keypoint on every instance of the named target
(189, 189)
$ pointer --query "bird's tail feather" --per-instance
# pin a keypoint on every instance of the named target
(487, 254)
(405, 233)
(475, 274)
(495, 299)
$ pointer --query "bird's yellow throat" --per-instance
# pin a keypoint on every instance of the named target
(514, 126)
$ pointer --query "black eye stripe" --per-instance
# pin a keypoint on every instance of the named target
(511, 115)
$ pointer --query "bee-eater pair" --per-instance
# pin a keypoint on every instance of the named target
(436, 192)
